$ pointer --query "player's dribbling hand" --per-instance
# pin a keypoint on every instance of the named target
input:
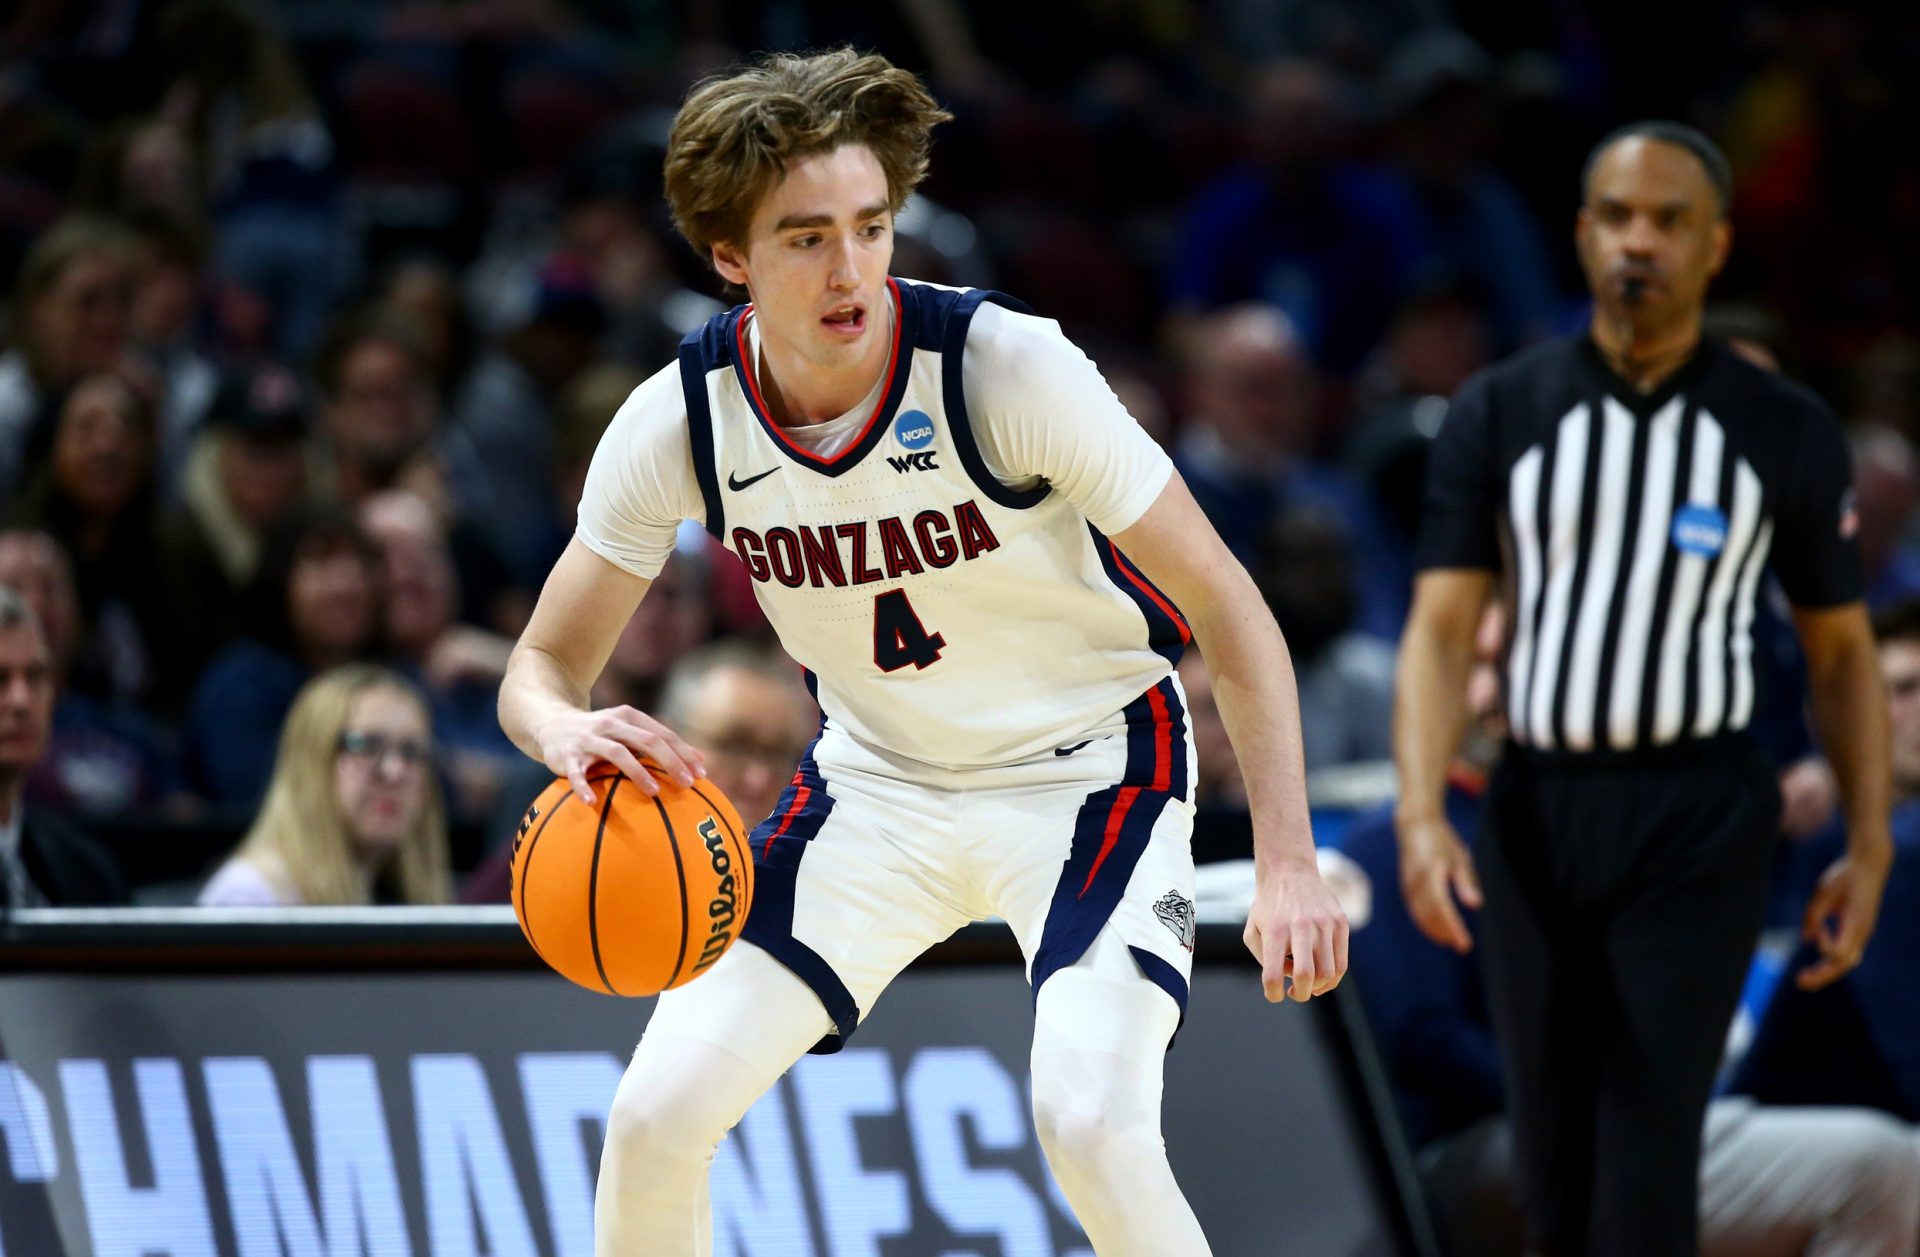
(1434, 868)
(1298, 933)
(571, 744)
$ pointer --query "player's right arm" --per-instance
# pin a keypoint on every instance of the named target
(639, 487)
(544, 705)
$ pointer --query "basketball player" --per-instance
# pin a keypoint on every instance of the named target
(981, 560)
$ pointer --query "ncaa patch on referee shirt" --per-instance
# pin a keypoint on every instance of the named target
(1700, 530)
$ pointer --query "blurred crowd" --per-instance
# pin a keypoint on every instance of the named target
(314, 314)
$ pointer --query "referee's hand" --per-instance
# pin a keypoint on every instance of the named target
(1840, 918)
(1435, 867)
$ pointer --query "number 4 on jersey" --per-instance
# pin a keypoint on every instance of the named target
(899, 638)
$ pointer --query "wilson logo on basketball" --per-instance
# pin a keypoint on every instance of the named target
(722, 908)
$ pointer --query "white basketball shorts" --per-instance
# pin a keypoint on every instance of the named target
(867, 861)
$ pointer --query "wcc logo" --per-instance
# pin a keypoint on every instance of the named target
(914, 430)
(1700, 530)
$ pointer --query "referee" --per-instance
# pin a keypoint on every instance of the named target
(1623, 490)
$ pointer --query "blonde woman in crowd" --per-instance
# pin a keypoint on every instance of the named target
(354, 814)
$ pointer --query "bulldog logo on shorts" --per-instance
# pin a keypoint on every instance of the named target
(1175, 910)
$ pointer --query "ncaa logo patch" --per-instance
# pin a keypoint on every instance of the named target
(913, 429)
(1700, 530)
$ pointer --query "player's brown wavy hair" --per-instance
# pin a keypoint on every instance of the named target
(737, 133)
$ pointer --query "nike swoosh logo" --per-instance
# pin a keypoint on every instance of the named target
(736, 484)
(1068, 750)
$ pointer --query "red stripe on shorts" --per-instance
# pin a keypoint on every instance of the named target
(1123, 802)
(800, 798)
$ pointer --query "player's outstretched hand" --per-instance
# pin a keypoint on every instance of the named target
(1297, 931)
(1434, 868)
(1840, 918)
(571, 744)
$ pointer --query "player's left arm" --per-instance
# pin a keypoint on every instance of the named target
(1295, 928)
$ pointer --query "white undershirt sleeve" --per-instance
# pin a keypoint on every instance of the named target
(640, 484)
(1041, 409)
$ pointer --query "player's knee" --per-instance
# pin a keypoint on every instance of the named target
(657, 1119)
(1076, 1134)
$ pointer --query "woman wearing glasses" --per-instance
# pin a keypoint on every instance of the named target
(354, 813)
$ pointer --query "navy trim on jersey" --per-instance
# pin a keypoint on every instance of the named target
(779, 844)
(1112, 830)
(900, 370)
(695, 353)
(1167, 629)
(1167, 978)
(957, 310)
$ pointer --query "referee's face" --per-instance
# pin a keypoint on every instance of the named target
(1651, 235)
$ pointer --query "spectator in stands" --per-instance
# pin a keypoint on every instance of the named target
(427, 291)
(655, 640)
(379, 412)
(1886, 481)
(587, 407)
(1476, 227)
(1305, 570)
(743, 704)
(1859, 1041)
(67, 319)
(499, 444)
(1438, 338)
(1332, 243)
(267, 158)
(102, 759)
(1246, 450)
(314, 604)
(459, 665)
(140, 164)
(1773, 1180)
(168, 258)
(93, 490)
(43, 860)
(608, 198)
(353, 814)
(380, 417)
(247, 472)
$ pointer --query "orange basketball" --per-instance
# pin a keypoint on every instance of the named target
(635, 895)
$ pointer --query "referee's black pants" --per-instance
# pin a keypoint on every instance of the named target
(1624, 895)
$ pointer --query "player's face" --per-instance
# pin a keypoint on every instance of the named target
(815, 260)
(1650, 235)
(1900, 669)
(381, 771)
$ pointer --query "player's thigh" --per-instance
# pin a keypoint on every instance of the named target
(748, 1004)
(1074, 862)
(856, 897)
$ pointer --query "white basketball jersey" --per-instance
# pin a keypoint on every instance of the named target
(943, 615)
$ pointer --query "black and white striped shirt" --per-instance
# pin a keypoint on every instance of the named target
(1634, 529)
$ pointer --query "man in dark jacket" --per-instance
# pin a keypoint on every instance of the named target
(44, 861)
